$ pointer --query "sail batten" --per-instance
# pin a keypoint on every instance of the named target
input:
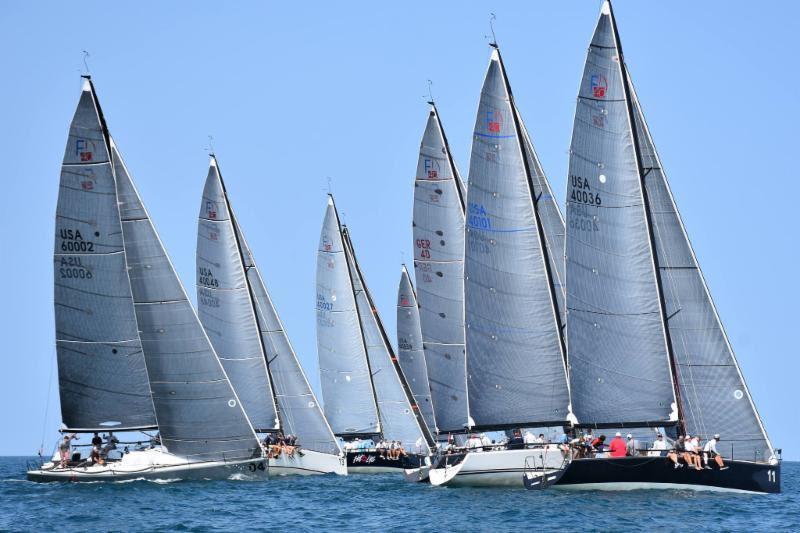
(438, 233)
(515, 354)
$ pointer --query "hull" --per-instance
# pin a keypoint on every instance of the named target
(153, 465)
(310, 463)
(495, 468)
(371, 462)
(629, 473)
(417, 475)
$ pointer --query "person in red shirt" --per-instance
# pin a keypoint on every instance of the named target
(617, 447)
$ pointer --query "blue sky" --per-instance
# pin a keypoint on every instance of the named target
(295, 94)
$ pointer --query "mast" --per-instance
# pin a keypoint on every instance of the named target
(557, 312)
(642, 175)
(387, 344)
(345, 240)
(256, 317)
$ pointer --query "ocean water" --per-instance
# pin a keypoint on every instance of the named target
(377, 503)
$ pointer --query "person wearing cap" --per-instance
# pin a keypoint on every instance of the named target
(678, 452)
(710, 452)
(630, 446)
(659, 447)
(691, 455)
(617, 448)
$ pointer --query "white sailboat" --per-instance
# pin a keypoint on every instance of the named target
(243, 325)
(132, 355)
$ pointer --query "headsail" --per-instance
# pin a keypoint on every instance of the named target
(439, 270)
(399, 413)
(199, 415)
(350, 404)
(515, 352)
(409, 348)
(225, 306)
(618, 351)
(713, 393)
(101, 369)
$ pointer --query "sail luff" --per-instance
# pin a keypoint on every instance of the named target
(384, 395)
(618, 349)
(677, 406)
(676, 251)
(226, 305)
(200, 416)
(350, 403)
(515, 354)
(103, 382)
(438, 240)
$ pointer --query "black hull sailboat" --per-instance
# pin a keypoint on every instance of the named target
(375, 462)
(628, 473)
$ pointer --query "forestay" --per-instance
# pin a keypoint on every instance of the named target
(714, 396)
(515, 359)
(409, 348)
(225, 307)
(438, 230)
(298, 408)
(344, 373)
(618, 355)
(393, 395)
(199, 415)
(101, 370)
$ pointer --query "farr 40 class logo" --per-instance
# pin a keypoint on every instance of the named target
(431, 168)
(84, 149)
(211, 209)
(599, 86)
(327, 243)
(404, 300)
(494, 121)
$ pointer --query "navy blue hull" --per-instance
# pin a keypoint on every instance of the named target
(370, 460)
(659, 471)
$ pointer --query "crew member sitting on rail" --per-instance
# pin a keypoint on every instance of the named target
(691, 456)
(599, 446)
(617, 447)
(474, 442)
(516, 442)
(111, 444)
(659, 447)
(710, 452)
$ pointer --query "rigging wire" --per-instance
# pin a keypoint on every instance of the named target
(47, 403)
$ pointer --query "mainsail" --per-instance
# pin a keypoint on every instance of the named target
(398, 411)
(347, 389)
(409, 348)
(620, 366)
(277, 376)
(101, 368)
(439, 270)
(199, 414)
(515, 350)
(713, 393)
(226, 307)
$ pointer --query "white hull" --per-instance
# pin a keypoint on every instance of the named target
(496, 468)
(310, 463)
(417, 475)
(153, 464)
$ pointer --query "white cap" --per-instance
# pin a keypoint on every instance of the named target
(630, 436)
(618, 434)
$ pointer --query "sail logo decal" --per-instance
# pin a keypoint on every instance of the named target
(87, 183)
(404, 300)
(431, 168)
(494, 120)
(211, 209)
(84, 149)
(363, 459)
(599, 86)
(327, 244)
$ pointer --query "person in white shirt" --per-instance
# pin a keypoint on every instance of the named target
(710, 452)
(659, 447)
(529, 438)
(692, 455)
(474, 443)
(485, 440)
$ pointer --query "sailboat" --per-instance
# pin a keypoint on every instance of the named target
(411, 357)
(438, 233)
(646, 345)
(516, 363)
(247, 334)
(366, 393)
(132, 354)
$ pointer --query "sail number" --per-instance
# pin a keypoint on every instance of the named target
(582, 192)
(207, 277)
(580, 219)
(477, 217)
(253, 467)
(424, 246)
(72, 268)
(73, 241)
(771, 476)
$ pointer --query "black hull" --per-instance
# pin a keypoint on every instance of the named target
(658, 472)
(372, 461)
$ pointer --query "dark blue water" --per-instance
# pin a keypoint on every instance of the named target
(377, 502)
